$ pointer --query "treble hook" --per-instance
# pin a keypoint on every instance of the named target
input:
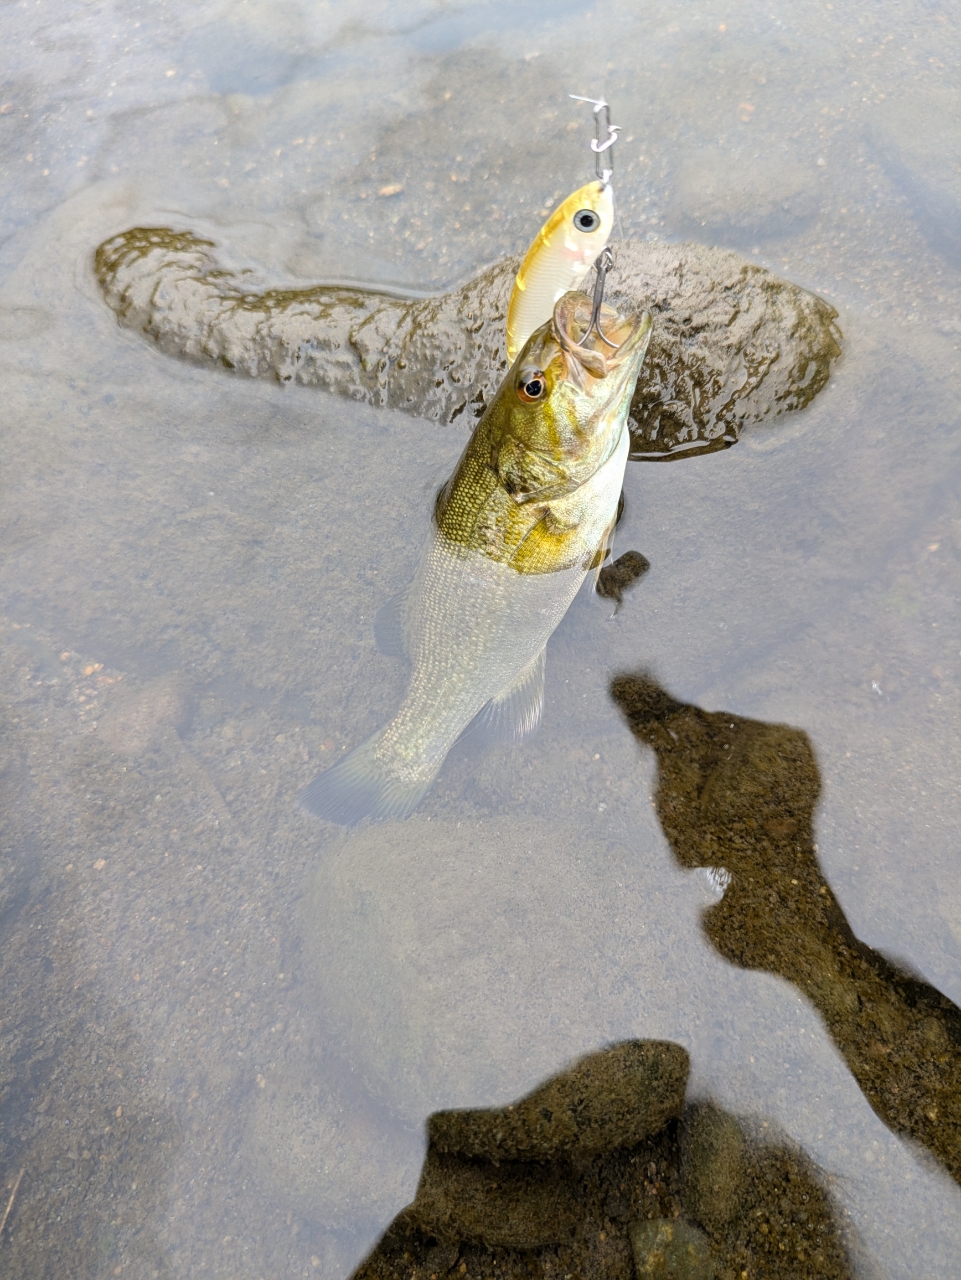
(605, 261)
(601, 144)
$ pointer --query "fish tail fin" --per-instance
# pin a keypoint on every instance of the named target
(361, 786)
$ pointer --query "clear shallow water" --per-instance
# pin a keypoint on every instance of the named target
(192, 563)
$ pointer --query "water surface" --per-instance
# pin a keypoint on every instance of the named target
(224, 1027)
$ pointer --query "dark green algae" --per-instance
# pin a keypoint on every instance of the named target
(733, 345)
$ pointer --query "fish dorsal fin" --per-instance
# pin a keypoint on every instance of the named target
(390, 626)
(516, 711)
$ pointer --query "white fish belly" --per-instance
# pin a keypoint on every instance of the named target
(473, 625)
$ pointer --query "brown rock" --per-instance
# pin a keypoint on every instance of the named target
(714, 1173)
(671, 1250)
(612, 1099)
(515, 1204)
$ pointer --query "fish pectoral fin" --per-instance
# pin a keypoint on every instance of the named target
(516, 711)
(390, 626)
(549, 493)
(550, 545)
(529, 476)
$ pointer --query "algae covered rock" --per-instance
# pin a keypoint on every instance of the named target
(513, 1176)
(516, 1205)
(732, 343)
(609, 1194)
(741, 794)
(714, 1151)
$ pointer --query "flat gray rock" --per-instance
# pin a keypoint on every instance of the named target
(460, 964)
(911, 134)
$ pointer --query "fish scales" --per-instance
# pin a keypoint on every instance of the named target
(476, 623)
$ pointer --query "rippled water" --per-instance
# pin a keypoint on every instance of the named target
(224, 1024)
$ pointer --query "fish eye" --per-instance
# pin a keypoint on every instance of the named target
(532, 386)
(586, 220)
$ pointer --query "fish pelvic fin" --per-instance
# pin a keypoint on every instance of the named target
(361, 786)
(516, 711)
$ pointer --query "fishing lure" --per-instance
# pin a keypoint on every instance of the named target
(568, 244)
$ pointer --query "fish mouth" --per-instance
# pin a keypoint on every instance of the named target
(616, 344)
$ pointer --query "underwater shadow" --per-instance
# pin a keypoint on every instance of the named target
(740, 794)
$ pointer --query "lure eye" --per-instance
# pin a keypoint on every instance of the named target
(532, 386)
(586, 220)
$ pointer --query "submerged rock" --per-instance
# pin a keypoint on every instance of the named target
(671, 1251)
(514, 1205)
(913, 135)
(458, 966)
(715, 1170)
(140, 718)
(615, 1098)
(732, 343)
(618, 1198)
(504, 1175)
(741, 795)
(322, 1155)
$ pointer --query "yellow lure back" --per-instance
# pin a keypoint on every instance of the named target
(559, 259)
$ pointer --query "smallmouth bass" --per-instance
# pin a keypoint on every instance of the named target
(558, 260)
(526, 515)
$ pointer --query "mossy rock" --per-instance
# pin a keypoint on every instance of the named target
(733, 344)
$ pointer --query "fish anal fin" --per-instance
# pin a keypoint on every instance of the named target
(390, 626)
(516, 711)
